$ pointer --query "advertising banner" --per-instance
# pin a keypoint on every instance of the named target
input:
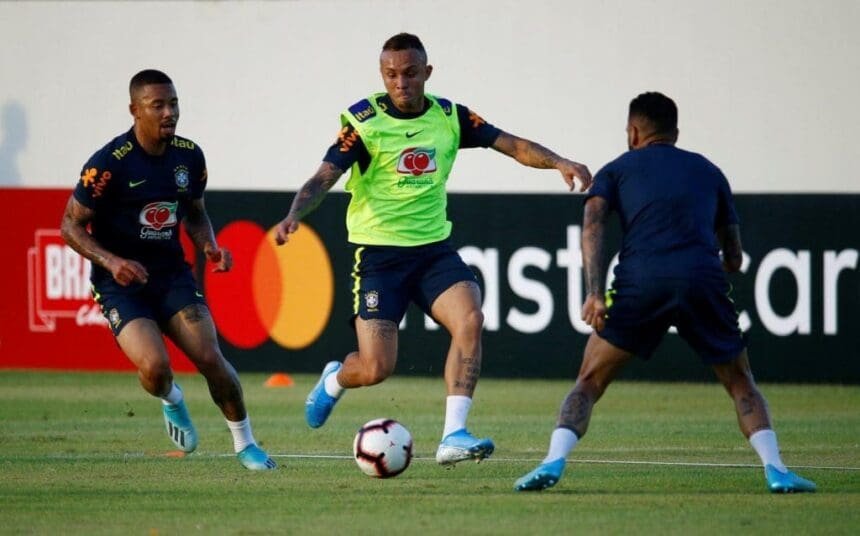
(288, 308)
(48, 318)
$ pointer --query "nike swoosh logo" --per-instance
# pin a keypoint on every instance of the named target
(132, 184)
(410, 134)
(197, 293)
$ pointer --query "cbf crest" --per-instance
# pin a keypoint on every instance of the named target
(371, 301)
(181, 175)
(114, 318)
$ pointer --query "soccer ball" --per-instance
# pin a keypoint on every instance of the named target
(382, 448)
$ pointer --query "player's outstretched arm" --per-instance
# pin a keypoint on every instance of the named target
(307, 199)
(74, 231)
(199, 229)
(534, 155)
(593, 262)
(729, 238)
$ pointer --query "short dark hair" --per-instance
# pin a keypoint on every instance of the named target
(657, 109)
(404, 41)
(145, 78)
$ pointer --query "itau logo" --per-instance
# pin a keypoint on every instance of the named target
(159, 215)
(417, 161)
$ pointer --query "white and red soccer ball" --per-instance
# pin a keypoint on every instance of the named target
(382, 448)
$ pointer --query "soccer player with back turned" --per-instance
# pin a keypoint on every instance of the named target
(401, 146)
(133, 194)
(677, 213)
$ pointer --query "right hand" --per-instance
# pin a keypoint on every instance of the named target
(571, 171)
(284, 229)
(126, 272)
(594, 311)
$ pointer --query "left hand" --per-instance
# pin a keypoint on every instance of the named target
(594, 311)
(571, 171)
(221, 257)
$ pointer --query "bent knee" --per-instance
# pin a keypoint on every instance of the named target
(375, 371)
(155, 376)
(469, 325)
(207, 360)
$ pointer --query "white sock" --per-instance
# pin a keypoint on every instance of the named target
(332, 387)
(765, 445)
(456, 410)
(173, 397)
(561, 443)
(242, 436)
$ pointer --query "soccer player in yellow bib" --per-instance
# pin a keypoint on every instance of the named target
(400, 146)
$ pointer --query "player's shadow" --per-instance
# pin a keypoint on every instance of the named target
(13, 141)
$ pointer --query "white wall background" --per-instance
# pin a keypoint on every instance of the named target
(767, 88)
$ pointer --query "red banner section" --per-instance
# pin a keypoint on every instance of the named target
(48, 317)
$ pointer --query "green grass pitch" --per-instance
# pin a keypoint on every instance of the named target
(87, 454)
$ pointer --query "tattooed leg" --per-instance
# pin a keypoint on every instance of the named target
(458, 309)
(376, 356)
(750, 404)
(575, 412)
(193, 331)
(601, 363)
(461, 372)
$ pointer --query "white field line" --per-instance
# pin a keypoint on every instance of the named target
(583, 460)
(127, 455)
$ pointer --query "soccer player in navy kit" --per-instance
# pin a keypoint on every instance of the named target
(677, 213)
(133, 194)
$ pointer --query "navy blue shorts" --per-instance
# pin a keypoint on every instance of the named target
(387, 278)
(641, 312)
(163, 296)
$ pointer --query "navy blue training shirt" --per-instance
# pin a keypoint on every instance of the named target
(670, 202)
(140, 199)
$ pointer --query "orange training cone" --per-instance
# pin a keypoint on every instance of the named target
(279, 379)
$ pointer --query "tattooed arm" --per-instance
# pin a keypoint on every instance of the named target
(74, 231)
(593, 229)
(529, 153)
(199, 229)
(307, 199)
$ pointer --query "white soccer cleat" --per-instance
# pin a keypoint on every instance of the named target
(461, 445)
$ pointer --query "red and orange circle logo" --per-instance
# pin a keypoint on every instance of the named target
(283, 293)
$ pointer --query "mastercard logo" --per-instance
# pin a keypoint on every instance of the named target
(283, 293)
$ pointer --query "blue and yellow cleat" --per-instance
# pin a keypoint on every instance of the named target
(256, 459)
(461, 445)
(545, 475)
(319, 404)
(787, 482)
(179, 426)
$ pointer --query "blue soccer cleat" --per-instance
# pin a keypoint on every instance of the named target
(256, 459)
(461, 445)
(179, 426)
(545, 475)
(319, 404)
(787, 482)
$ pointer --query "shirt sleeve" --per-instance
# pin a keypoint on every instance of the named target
(726, 213)
(96, 176)
(198, 181)
(474, 131)
(605, 185)
(348, 149)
